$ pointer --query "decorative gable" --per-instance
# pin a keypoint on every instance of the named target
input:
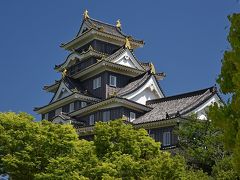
(127, 59)
(84, 27)
(62, 92)
(148, 91)
(201, 110)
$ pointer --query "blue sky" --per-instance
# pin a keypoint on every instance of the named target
(185, 39)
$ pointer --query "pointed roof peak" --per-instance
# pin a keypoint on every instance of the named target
(85, 15)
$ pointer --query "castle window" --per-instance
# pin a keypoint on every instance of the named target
(113, 81)
(97, 83)
(166, 138)
(66, 108)
(132, 116)
(106, 116)
(77, 105)
(91, 120)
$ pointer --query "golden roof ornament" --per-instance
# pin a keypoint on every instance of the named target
(152, 68)
(85, 14)
(118, 24)
(64, 73)
(127, 43)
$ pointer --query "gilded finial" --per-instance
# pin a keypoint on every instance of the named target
(152, 68)
(85, 14)
(64, 73)
(118, 24)
(127, 43)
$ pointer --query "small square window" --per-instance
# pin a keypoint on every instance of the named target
(113, 81)
(132, 116)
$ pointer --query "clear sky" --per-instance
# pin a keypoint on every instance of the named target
(185, 39)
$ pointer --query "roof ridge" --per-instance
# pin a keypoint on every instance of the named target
(196, 103)
(141, 76)
(179, 96)
(108, 24)
(114, 54)
(79, 54)
(99, 21)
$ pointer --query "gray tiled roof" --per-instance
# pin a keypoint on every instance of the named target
(84, 52)
(112, 29)
(115, 55)
(182, 104)
(134, 84)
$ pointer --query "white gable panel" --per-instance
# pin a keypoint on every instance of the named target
(149, 91)
(201, 110)
(144, 96)
(62, 92)
(210, 102)
(127, 59)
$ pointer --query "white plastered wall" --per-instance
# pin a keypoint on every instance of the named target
(127, 59)
(149, 91)
(201, 110)
(61, 88)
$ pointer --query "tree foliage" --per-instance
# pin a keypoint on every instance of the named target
(228, 117)
(29, 148)
(42, 150)
(202, 146)
(200, 143)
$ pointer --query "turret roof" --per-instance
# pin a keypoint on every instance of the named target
(175, 106)
(102, 29)
(96, 24)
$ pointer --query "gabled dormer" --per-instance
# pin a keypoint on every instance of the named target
(68, 97)
(80, 61)
(125, 57)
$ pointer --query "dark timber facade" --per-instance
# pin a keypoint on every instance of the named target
(102, 80)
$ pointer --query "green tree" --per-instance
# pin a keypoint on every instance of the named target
(228, 117)
(133, 154)
(43, 150)
(28, 148)
(200, 143)
(223, 170)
